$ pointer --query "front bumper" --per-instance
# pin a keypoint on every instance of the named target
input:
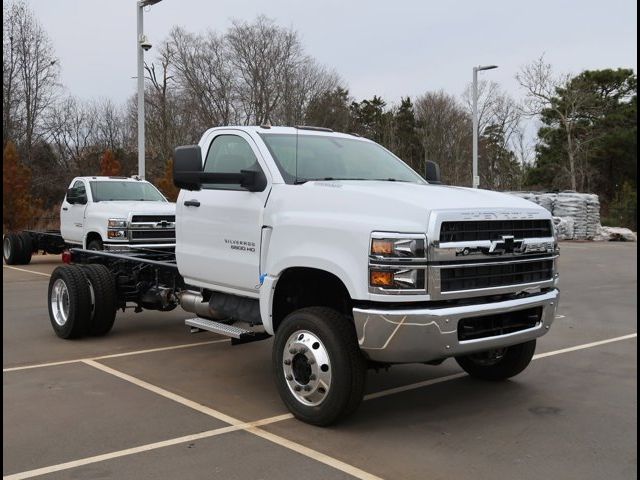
(426, 334)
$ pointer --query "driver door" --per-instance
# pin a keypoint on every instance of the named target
(219, 227)
(72, 216)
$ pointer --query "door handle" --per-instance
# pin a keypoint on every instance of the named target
(192, 203)
(65, 208)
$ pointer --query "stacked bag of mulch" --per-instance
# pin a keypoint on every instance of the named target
(573, 205)
(576, 215)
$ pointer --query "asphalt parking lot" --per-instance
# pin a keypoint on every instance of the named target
(152, 401)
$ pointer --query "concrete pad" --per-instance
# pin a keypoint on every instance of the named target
(232, 456)
(570, 416)
(57, 414)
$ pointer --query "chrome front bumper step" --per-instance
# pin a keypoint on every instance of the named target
(426, 334)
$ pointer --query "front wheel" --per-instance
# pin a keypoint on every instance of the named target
(319, 369)
(500, 363)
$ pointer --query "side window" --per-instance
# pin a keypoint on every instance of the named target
(229, 154)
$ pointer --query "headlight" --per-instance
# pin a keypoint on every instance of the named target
(385, 245)
(390, 278)
(117, 223)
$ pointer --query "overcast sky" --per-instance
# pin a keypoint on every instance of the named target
(390, 48)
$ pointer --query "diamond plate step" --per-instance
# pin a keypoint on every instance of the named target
(217, 327)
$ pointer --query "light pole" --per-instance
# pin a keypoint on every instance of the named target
(476, 178)
(142, 46)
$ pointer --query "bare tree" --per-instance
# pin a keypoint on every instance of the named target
(30, 73)
(265, 58)
(109, 132)
(445, 134)
(71, 127)
(543, 90)
(202, 72)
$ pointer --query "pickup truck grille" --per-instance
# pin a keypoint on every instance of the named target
(470, 277)
(153, 218)
(479, 257)
(465, 231)
(153, 234)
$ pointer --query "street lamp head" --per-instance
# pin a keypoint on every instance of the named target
(486, 67)
(148, 3)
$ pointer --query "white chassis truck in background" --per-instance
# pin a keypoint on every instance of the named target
(101, 213)
(333, 245)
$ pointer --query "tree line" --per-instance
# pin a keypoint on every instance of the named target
(258, 72)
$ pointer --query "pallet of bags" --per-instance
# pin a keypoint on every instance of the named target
(593, 215)
(546, 200)
(573, 205)
(563, 227)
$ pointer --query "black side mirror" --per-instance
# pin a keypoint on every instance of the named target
(72, 196)
(187, 166)
(432, 172)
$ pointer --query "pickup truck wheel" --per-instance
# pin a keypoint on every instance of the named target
(95, 244)
(11, 249)
(69, 302)
(498, 364)
(27, 248)
(319, 369)
(102, 287)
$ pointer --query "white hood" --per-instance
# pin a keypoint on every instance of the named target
(123, 209)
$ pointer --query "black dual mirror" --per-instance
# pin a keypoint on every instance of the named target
(188, 174)
(432, 172)
(73, 196)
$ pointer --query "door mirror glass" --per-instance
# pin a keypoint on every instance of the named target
(432, 172)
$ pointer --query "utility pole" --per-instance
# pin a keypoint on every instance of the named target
(142, 45)
(476, 177)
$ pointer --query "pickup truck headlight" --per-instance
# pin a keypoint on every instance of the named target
(396, 278)
(397, 246)
(117, 223)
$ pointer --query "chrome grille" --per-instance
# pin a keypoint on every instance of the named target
(465, 231)
(153, 218)
(470, 277)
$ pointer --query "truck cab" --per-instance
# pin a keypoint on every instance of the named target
(116, 213)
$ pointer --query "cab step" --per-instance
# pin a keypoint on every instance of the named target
(237, 334)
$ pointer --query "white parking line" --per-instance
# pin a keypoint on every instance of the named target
(115, 355)
(320, 457)
(252, 427)
(141, 448)
(28, 271)
(585, 345)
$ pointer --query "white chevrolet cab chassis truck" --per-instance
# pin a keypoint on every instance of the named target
(101, 213)
(335, 247)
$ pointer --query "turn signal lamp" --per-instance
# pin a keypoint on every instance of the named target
(381, 278)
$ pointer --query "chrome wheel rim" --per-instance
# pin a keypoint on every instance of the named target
(307, 368)
(6, 247)
(60, 302)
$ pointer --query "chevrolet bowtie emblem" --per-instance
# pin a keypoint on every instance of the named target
(507, 245)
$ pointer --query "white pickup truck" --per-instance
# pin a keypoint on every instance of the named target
(101, 213)
(333, 245)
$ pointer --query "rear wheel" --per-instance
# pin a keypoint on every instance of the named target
(27, 248)
(319, 369)
(102, 286)
(69, 302)
(11, 249)
(498, 364)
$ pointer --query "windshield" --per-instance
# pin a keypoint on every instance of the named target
(321, 157)
(125, 191)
